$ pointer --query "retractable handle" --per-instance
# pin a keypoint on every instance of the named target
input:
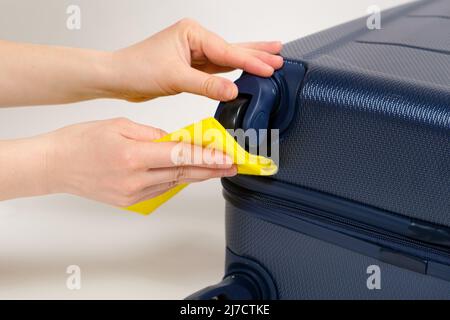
(257, 99)
(264, 103)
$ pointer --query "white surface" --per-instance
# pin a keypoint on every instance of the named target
(178, 249)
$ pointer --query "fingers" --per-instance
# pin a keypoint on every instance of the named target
(152, 155)
(146, 195)
(211, 54)
(212, 68)
(184, 174)
(158, 181)
(240, 58)
(223, 54)
(139, 132)
(273, 47)
(274, 61)
(202, 83)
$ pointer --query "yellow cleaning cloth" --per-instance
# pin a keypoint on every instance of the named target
(209, 133)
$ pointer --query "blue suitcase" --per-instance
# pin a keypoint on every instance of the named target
(360, 207)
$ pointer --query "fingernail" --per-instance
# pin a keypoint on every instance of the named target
(268, 69)
(230, 92)
(278, 43)
(280, 61)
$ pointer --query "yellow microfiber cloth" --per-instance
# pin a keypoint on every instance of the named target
(209, 133)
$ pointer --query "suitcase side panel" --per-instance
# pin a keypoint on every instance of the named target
(373, 119)
(329, 39)
(372, 140)
(307, 268)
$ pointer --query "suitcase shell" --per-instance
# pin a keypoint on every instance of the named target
(360, 207)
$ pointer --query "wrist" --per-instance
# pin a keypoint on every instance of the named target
(56, 162)
(112, 77)
(25, 170)
(106, 75)
(133, 78)
(42, 150)
(50, 176)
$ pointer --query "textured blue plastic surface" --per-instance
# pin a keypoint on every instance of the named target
(264, 95)
(306, 267)
(317, 201)
(271, 101)
(245, 279)
(373, 120)
(344, 232)
(371, 132)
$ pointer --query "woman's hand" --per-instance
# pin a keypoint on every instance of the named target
(111, 161)
(182, 58)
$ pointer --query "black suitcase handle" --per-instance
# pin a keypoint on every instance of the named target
(234, 287)
(264, 103)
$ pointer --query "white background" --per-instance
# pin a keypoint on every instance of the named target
(180, 248)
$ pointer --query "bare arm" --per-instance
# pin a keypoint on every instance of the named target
(181, 58)
(37, 74)
(114, 161)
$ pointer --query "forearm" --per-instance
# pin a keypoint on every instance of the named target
(181, 58)
(23, 167)
(37, 74)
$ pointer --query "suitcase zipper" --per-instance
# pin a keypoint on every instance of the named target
(376, 218)
(392, 248)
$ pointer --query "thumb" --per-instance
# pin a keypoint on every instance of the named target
(204, 84)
